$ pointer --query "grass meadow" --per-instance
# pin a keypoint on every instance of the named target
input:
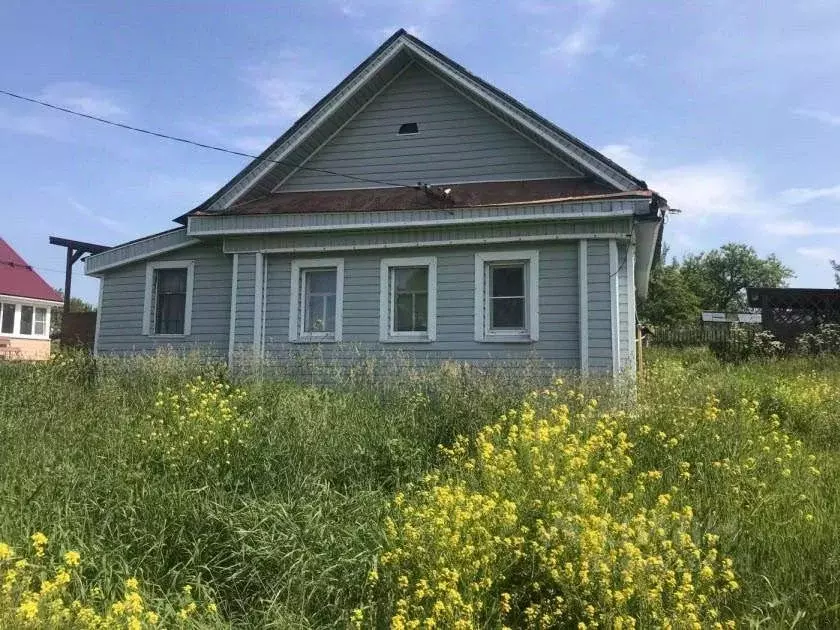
(166, 492)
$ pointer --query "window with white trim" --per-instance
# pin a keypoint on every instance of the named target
(317, 300)
(507, 296)
(407, 299)
(168, 302)
(24, 320)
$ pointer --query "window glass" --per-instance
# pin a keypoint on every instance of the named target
(410, 299)
(26, 313)
(170, 301)
(7, 319)
(507, 296)
(319, 301)
(40, 321)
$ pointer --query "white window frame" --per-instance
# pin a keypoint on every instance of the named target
(386, 301)
(483, 263)
(296, 322)
(149, 300)
(17, 305)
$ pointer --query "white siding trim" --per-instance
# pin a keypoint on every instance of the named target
(295, 334)
(532, 257)
(516, 215)
(583, 286)
(92, 269)
(258, 301)
(151, 267)
(386, 332)
(234, 285)
(614, 308)
(98, 317)
(631, 304)
(466, 241)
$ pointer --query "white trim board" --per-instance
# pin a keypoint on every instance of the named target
(387, 334)
(151, 267)
(96, 270)
(98, 317)
(515, 215)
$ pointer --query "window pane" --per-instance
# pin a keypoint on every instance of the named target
(170, 301)
(319, 300)
(411, 279)
(26, 313)
(508, 280)
(507, 313)
(40, 321)
(403, 314)
(7, 318)
(321, 281)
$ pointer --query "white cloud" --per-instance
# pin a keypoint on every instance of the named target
(83, 97)
(819, 253)
(701, 189)
(795, 196)
(286, 87)
(797, 227)
(583, 38)
(111, 224)
(819, 115)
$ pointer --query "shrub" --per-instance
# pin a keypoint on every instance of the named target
(541, 522)
(43, 593)
(824, 340)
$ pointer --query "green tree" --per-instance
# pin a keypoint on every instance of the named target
(77, 305)
(669, 301)
(836, 266)
(720, 277)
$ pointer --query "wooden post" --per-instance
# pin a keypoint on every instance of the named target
(68, 279)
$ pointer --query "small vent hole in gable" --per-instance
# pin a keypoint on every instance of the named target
(407, 128)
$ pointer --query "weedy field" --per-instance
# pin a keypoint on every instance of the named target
(164, 492)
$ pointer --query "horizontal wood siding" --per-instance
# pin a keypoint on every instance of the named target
(558, 343)
(600, 335)
(457, 142)
(427, 237)
(123, 292)
(246, 275)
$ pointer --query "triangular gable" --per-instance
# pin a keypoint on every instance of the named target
(456, 142)
(318, 126)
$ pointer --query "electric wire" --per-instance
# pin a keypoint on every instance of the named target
(195, 143)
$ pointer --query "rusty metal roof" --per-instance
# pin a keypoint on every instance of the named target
(460, 195)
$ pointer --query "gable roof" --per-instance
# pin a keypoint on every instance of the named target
(364, 83)
(19, 279)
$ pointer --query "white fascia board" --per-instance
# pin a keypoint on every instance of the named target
(95, 270)
(19, 299)
(514, 214)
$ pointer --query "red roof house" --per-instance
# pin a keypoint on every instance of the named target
(26, 302)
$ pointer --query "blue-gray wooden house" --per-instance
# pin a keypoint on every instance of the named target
(415, 207)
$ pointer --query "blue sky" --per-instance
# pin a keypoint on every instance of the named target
(731, 110)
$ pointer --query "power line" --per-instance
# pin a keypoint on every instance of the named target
(195, 143)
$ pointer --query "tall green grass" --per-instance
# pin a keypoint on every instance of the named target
(286, 535)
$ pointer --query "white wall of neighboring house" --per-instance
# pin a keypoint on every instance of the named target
(18, 340)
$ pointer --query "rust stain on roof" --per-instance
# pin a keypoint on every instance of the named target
(460, 196)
